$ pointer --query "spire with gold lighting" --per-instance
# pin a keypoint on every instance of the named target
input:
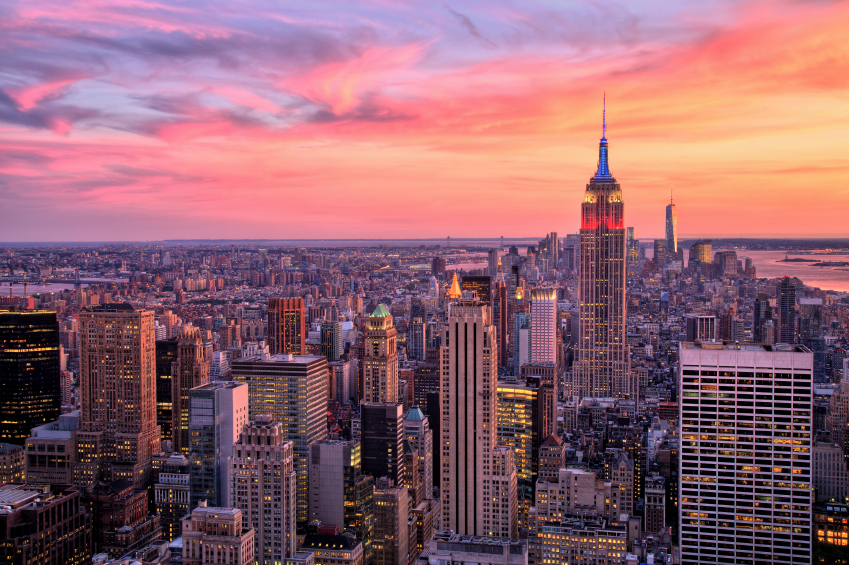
(454, 293)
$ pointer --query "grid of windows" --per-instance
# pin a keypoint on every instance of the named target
(745, 462)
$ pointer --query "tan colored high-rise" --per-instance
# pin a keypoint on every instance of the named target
(469, 369)
(189, 371)
(286, 326)
(262, 486)
(118, 433)
(380, 366)
(602, 365)
(391, 529)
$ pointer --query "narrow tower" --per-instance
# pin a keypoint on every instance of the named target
(602, 365)
(671, 227)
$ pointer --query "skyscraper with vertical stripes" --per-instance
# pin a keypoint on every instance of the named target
(602, 364)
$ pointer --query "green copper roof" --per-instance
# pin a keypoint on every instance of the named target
(415, 414)
(380, 312)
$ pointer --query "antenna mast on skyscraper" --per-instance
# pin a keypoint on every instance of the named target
(604, 115)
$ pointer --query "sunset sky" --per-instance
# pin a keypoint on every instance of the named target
(140, 120)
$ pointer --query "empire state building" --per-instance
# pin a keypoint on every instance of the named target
(602, 365)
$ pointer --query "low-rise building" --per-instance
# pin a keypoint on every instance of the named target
(215, 535)
(12, 463)
(334, 549)
(448, 548)
(36, 521)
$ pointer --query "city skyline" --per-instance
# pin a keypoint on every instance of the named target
(126, 122)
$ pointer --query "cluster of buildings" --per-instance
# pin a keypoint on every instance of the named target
(580, 402)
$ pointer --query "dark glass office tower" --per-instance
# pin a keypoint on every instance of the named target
(383, 440)
(30, 391)
(482, 285)
(167, 352)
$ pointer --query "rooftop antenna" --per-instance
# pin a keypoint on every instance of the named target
(604, 115)
(670, 193)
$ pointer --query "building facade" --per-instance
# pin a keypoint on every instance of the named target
(190, 370)
(262, 486)
(212, 536)
(217, 413)
(601, 356)
(118, 434)
(287, 332)
(293, 390)
(380, 365)
(469, 367)
(30, 390)
(745, 482)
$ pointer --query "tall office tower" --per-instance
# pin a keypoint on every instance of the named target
(286, 326)
(418, 309)
(391, 531)
(831, 477)
(217, 413)
(519, 429)
(293, 390)
(745, 462)
(167, 352)
(837, 416)
(331, 340)
(118, 435)
(671, 227)
(521, 341)
(633, 245)
(383, 440)
(725, 263)
(30, 389)
(701, 251)
(602, 362)
(661, 257)
(339, 493)
(811, 334)
(171, 495)
(700, 327)
(492, 256)
(544, 330)
(215, 535)
(437, 266)
(786, 304)
(763, 312)
(500, 306)
(481, 286)
(262, 486)
(554, 250)
(190, 370)
(418, 434)
(469, 377)
(503, 510)
(380, 366)
(416, 339)
(344, 376)
(45, 524)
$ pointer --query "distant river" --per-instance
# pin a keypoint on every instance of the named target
(769, 265)
(18, 289)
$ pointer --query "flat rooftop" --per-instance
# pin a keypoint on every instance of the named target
(282, 358)
(732, 346)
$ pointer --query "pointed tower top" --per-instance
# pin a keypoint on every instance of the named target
(603, 171)
(454, 292)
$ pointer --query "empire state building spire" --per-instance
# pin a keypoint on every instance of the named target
(603, 170)
(601, 357)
